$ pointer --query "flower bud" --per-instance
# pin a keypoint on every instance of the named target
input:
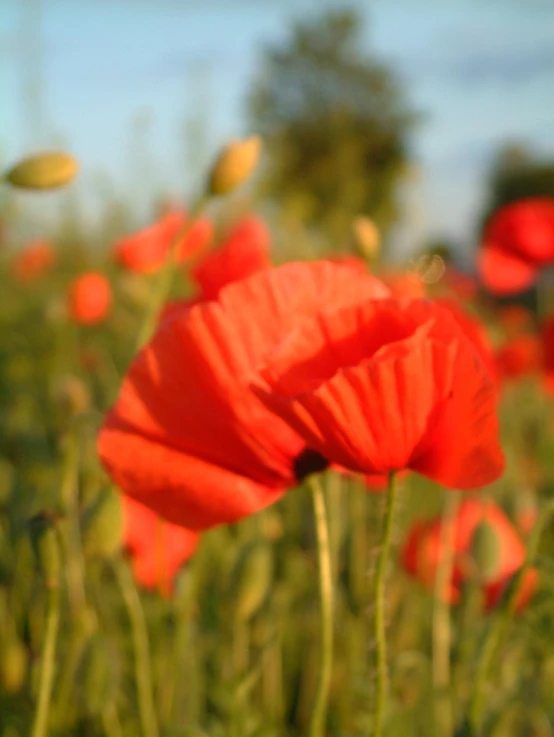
(485, 550)
(13, 665)
(46, 547)
(366, 238)
(234, 165)
(43, 171)
(251, 579)
(102, 525)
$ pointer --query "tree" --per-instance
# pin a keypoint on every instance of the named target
(516, 172)
(335, 123)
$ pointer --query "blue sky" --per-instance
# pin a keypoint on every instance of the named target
(123, 76)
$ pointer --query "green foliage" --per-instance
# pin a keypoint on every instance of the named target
(335, 122)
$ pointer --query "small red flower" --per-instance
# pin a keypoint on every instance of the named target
(158, 548)
(187, 437)
(387, 385)
(520, 356)
(243, 253)
(90, 299)
(147, 250)
(35, 260)
(518, 241)
(422, 551)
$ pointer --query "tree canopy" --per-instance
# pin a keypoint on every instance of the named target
(335, 121)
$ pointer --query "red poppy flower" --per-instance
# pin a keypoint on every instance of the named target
(158, 548)
(146, 251)
(404, 284)
(548, 353)
(388, 385)
(187, 437)
(520, 356)
(517, 242)
(475, 331)
(422, 552)
(244, 252)
(90, 299)
(33, 261)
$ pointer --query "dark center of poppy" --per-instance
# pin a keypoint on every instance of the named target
(307, 462)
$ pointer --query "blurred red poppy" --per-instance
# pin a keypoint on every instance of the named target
(548, 353)
(35, 260)
(158, 548)
(245, 251)
(520, 356)
(404, 284)
(90, 298)
(422, 551)
(386, 385)
(187, 437)
(517, 242)
(146, 251)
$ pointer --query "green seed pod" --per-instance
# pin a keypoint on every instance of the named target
(102, 525)
(234, 165)
(485, 550)
(13, 665)
(46, 546)
(251, 579)
(43, 171)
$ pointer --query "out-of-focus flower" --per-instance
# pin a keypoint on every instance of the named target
(90, 299)
(158, 548)
(244, 252)
(198, 447)
(506, 554)
(517, 242)
(520, 356)
(35, 260)
(147, 250)
(386, 385)
(404, 284)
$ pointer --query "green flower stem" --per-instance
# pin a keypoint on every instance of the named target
(501, 623)
(379, 619)
(441, 619)
(46, 676)
(165, 279)
(319, 712)
(143, 667)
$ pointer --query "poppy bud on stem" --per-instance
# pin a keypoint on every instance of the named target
(500, 624)
(234, 165)
(379, 618)
(47, 170)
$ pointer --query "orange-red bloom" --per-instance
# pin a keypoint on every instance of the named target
(146, 251)
(90, 298)
(518, 241)
(520, 356)
(158, 548)
(33, 261)
(422, 552)
(387, 385)
(243, 253)
(187, 437)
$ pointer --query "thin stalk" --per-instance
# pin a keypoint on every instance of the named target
(379, 598)
(501, 623)
(319, 712)
(441, 619)
(46, 676)
(141, 647)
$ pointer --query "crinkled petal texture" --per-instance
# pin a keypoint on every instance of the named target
(158, 548)
(386, 385)
(187, 436)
